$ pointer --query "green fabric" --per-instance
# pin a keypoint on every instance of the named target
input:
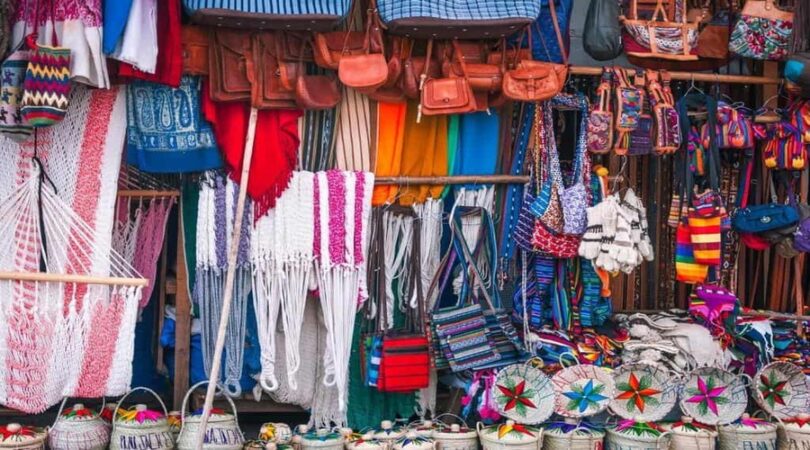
(452, 147)
(368, 406)
(190, 192)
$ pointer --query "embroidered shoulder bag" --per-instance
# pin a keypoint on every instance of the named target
(662, 36)
(12, 76)
(405, 360)
(629, 102)
(600, 122)
(667, 121)
(763, 31)
(784, 148)
(641, 137)
(734, 128)
(574, 198)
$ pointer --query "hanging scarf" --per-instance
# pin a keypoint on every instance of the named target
(275, 148)
(478, 144)
(424, 153)
(215, 222)
(169, 64)
(353, 133)
(390, 134)
(316, 128)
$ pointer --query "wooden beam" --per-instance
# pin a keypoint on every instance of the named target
(767, 79)
(182, 307)
(460, 179)
(72, 278)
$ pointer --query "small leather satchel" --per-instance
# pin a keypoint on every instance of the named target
(534, 81)
(195, 50)
(366, 71)
(445, 95)
(230, 58)
(269, 90)
(316, 92)
(331, 46)
(413, 67)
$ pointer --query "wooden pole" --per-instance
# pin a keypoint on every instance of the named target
(147, 193)
(71, 278)
(213, 378)
(461, 179)
(772, 79)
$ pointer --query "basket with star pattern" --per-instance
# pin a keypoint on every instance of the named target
(523, 393)
(782, 390)
(713, 396)
(644, 393)
(582, 390)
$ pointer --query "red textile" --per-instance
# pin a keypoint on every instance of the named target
(275, 148)
(169, 67)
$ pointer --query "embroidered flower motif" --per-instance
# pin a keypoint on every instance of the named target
(514, 428)
(516, 397)
(584, 397)
(638, 393)
(133, 415)
(639, 428)
(773, 390)
(707, 396)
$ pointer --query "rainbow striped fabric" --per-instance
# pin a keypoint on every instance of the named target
(47, 86)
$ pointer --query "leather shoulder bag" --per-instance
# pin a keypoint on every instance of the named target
(445, 95)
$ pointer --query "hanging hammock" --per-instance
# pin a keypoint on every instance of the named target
(342, 218)
(282, 245)
(68, 303)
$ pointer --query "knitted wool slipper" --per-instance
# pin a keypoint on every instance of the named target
(643, 244)
(610, 212)
(623, 249)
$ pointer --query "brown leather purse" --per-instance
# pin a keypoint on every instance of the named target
(532, 81)
(482, 75)
(195, 50)
(365, 72)
(230, 65)
(446, 95)
(314, 91)
(412, 69)
(268, 89)
(331, 46)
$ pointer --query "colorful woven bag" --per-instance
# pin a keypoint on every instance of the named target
(47, 84)
(687, 270)
(763, 31)
(12, 76)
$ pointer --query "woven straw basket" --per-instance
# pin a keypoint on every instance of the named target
(795, 435)
(78, 429)
(455, 437)
(149, 434)
(322, 439)
(576, 439)
(739, 436)
(222, 433)
(19, 437)
(684, 439)
(531, 439)
(617, 440)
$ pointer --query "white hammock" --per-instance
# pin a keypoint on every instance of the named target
(68, 304)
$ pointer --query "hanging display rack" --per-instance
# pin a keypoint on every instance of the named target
(691, 76)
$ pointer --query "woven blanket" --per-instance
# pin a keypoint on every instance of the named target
(93, 357)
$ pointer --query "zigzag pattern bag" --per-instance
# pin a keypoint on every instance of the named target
(47, 84)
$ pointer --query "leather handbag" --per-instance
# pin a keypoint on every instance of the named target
(313, 15)
(413, 67)
(763, 31)
(271, 87)
(317, 92)
(230, 58)
(195, 50)
(459, 19)
(366, 71)
(534, 81)
(445, 95)
(331, 46)
(602, 38)
(483, 76)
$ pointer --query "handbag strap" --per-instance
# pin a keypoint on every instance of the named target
(604, 90)
(582, 164)
(491, 300)
(553, 8)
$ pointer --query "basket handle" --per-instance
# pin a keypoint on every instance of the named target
(665, 434)
(139, 388)
(561, 360)
(185, 404)
(448, 414)
(62, 407)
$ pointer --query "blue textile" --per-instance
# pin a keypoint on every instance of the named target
(478, 140)
(116, 14)
(166, 130)
(545, 45)
(391, 10)
(275, 7)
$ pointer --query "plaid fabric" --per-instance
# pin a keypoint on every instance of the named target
(275, 7)
(471, 10)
